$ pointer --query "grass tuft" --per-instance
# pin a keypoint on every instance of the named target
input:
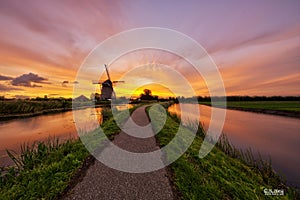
(42, 169)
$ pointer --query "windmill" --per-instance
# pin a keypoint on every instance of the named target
(106, 87)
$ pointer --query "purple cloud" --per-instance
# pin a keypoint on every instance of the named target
(28, 80)
(5, 78)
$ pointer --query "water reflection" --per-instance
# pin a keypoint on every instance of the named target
(88, 119)
(274, 136)
(62, 125)
(99, 115)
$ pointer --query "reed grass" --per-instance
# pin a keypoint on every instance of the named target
(42, 169)
(254, 160)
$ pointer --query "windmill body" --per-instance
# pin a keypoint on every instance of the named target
(107, 91)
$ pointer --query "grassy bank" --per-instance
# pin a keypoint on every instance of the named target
(29, 108)
(284, 108)
(269, 105)
(219, 175)
(32, 106)
(43, 170)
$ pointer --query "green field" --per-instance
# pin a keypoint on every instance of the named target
(266, 105)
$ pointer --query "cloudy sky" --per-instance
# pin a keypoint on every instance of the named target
(255, 44)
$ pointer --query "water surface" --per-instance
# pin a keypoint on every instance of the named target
(13, 133)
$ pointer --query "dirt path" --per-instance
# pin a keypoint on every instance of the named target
(102, 182)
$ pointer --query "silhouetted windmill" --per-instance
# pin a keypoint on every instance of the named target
(106, 87)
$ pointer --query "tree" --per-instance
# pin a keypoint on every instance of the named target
(147, 92)
(147, 95)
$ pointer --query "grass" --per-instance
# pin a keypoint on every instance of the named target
(43, 170)
(267, 105)
(221, 174)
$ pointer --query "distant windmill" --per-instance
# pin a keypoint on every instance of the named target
(106, 87)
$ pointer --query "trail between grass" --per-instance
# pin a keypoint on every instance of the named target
(102, 182)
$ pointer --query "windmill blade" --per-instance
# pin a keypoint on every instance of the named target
(108, 76)
(118, 81)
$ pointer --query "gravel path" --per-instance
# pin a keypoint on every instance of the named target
(102, 182)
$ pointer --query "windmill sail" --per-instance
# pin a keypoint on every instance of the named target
(108, 76)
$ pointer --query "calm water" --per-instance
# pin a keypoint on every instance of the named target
(13, 133)
(274, 136)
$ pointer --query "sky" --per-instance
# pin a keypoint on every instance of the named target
(254, 44)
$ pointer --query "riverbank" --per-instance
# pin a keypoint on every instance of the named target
(282, 108)
(13, 109)
(6, 116)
